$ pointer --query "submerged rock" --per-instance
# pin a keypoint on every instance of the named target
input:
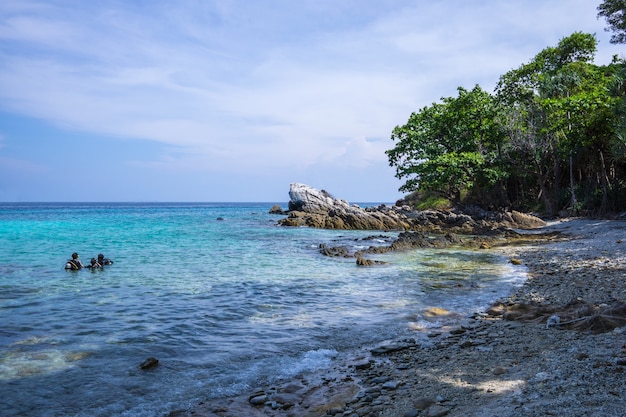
(149, 363)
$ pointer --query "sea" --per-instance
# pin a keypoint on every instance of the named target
(222, 296)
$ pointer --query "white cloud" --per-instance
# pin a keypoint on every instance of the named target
(229, 85)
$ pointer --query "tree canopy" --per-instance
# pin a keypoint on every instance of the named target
(551, 137)
(451, 146)
(614, 11)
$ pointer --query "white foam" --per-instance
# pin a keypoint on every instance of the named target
(309, 361)
(16, 365)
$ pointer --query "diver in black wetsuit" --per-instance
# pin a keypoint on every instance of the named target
(74, 264)
(94, 264)
(104, 261)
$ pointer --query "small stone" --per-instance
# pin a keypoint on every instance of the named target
(334, 411)
(516, 261)
(365, 364)
(258, 400)
(364, 411)
(466, 344)
(541, 377)
(423, 403)
(286, 399)
(391, 385)
(437, 411)
(499, 371)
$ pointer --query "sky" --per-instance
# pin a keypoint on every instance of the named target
(233, 100)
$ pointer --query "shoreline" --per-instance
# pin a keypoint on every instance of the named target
(503, 362)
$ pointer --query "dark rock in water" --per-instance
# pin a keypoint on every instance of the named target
(220, 219)
(149, 363)
(360, 261)
(341, 251)
(276, 209)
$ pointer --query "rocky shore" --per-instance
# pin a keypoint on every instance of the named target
(311, 207)
(555, 347)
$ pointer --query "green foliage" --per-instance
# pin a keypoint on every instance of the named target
(434, 203)
(614, 11)
(555, 130)
(449, 146)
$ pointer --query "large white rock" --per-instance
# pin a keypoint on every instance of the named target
(311, 200)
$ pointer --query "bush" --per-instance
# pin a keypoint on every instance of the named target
(434, 203)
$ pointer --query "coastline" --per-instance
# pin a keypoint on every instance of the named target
(504, 362)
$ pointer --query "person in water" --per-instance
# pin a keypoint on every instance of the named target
(104, 261)
(94, 264)
(74, 264)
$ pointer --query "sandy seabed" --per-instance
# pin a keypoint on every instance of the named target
(555, 347)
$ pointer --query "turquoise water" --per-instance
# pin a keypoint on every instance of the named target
(221, 295)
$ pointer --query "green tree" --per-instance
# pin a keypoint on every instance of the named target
(582, 121)
(559, 102)
(614, 11)
(617, 89)
(450, 146)
(555, 133)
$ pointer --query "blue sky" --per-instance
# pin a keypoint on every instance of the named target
(215, 100)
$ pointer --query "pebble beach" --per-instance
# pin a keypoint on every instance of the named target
(554, 347)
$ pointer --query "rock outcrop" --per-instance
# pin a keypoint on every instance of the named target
(318, 208)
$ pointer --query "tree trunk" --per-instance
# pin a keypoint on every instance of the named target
(544, 193)
(573, 202)
(605, 185)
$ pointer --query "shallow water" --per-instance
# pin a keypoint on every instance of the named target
(224, 298)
